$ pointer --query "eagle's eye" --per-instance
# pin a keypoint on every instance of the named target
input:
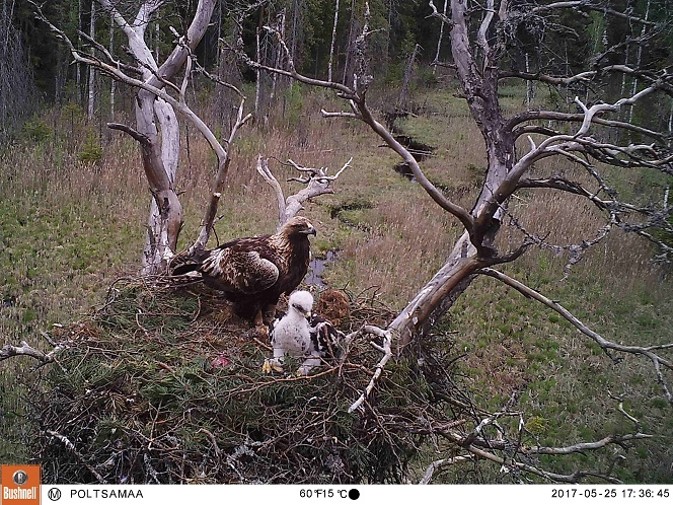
(301, 309)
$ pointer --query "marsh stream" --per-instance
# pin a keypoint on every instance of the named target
(317, 268)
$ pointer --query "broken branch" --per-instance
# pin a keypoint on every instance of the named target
(386, 349)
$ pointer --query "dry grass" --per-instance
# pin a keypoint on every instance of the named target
(69, 228)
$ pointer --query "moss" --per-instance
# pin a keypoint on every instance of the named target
(218, 422)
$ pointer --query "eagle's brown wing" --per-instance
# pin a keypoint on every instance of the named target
(239, 270)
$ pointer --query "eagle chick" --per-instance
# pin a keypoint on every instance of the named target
(301, 334)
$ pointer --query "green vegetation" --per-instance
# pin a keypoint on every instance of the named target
(143, 365)
(159, 397)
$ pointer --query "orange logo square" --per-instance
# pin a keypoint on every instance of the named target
(20, 484)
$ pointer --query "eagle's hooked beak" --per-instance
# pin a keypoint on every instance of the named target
(309, 231)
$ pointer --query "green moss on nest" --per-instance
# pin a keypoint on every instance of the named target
(142, 398)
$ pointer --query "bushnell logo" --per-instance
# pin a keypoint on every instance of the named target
(20, 485)
(20, 477)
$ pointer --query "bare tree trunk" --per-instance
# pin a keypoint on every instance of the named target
(438, 295)
(349, 50)
(295, 28)
(670, 123)
(157, 39)
(403, 99)
(157, 127)
(529, 84)
(280, 19)
(331, 47)
(113, 83)
(78, 66)
(441, 38)
(258, 84)
(639, 57)
(90, 109)
(622, 89)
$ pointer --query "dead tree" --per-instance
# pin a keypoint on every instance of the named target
(479, 39)
(316, 180)
(156, 120)
(157, 128)
(158, 101)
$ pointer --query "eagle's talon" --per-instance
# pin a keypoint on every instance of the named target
(271, 365)
(262, 331)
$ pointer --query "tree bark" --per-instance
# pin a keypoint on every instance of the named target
(333, 41)
(438, 295)
(90, 104)
(156, 121)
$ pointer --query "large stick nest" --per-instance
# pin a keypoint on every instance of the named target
(156, 388)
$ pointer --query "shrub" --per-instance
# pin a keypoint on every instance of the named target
(92, 151)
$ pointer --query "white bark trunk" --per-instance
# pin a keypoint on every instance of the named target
(670, 123)
(331, 47)
(529, 84)
(639, 59)
(78, 66)
(113, 83)
(441, 37)
(157, 122)
(90, 109)
(279, 56)
(258, 84)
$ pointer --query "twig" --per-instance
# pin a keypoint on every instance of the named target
(442, 463)
(387, 354)
(71, 447)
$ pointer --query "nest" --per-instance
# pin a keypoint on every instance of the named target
(160, 388)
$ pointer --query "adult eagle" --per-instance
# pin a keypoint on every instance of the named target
(253, 272)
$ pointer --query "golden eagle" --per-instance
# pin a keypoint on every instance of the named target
(253, 272)
(301, 334)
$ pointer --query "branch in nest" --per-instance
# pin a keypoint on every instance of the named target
(441, 464)
(385, 348)
(9, 351)
(317, 181)
(648, 352)
(71, 447)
